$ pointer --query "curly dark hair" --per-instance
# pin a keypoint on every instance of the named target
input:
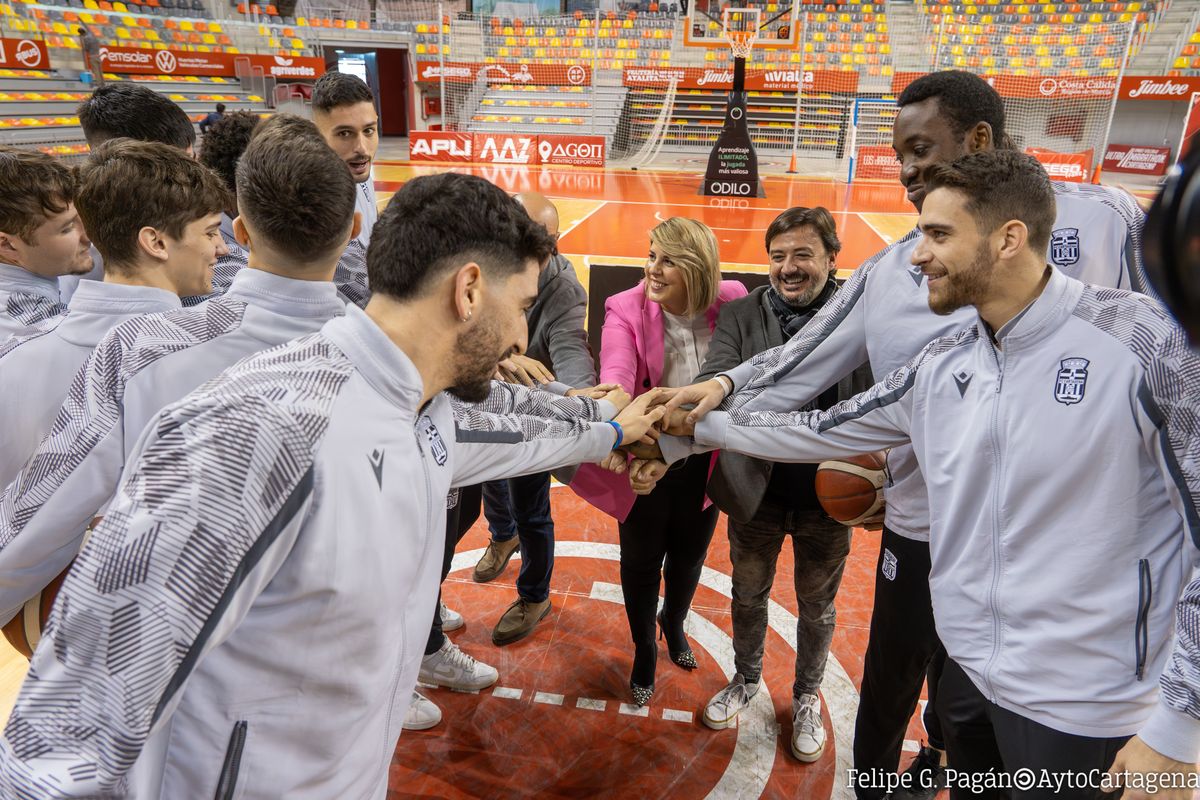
(225, 142)
(964, 100)
(129, 110)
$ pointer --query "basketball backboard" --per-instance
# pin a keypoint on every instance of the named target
(777, 22)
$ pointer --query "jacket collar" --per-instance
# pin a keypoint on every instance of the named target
(286, 296)
(1041, 318)
(14, 278)
(98, 297)
(384, 365)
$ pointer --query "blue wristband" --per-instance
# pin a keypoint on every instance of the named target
(620, 433)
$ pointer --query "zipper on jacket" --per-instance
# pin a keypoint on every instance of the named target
(1141, 632)
(994, 589)
(233, 762)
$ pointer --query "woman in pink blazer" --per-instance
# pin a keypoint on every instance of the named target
(657, 334)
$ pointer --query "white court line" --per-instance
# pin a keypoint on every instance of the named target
(589, 704)
(580, 221)
(506, 693)
(634, 711)
(911, 747)
(887, 240)
(548, 698)
(671, 715)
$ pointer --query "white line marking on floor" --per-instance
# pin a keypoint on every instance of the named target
(911, 747)
(634, 711)
(548, 698)
(590, 704)
(672, 715)
(506, 693)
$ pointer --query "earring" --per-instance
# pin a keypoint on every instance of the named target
(467, 317)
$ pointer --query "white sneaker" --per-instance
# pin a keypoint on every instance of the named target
(808, 731)
(454, 669)
(722, 711)
(451, 620)
(422, 713)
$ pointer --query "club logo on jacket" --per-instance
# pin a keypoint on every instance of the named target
(889, 564)
(1072, 381)
(376, 459)
(1064, 247)
(436, 446)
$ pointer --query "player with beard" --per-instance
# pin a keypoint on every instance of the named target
(882, 314)
(41, 238)
(260, 585)
(344, 111)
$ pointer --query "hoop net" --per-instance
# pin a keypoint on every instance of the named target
(740, 29)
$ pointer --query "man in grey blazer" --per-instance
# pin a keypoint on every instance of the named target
(768, 502)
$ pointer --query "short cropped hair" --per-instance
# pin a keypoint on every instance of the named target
(125, 186)
(132, 111)
(335, 89)
(818, 218)
(436, 223)
(691, 247)
(1001, 185)
(294, 191)
(225, 142)
(36, 186)
(964, 101)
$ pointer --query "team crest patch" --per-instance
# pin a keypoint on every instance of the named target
(1071, 381)
(436, 446)
(1064, 247)
(889, 565)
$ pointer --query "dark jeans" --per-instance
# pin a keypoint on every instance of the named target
(458, 521)
(665, 537)
(902, 651)
(521, 507)
(820, 546)
(982, 736)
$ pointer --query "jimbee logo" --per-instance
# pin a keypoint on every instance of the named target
(1072, 381)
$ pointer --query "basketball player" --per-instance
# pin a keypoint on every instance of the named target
(344, 110)
(145, 364)
(882, 315)
(41, 238)
(153, 213)
(254, 593)
(1058, 555)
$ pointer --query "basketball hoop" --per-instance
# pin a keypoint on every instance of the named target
(739, 26)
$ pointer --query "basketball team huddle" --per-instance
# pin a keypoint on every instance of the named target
(245, 418)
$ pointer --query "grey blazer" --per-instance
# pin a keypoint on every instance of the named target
(745, 328)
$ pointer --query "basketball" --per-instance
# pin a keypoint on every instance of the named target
(24, 631)
(851, 489)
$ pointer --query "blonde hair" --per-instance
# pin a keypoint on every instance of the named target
(692, 248)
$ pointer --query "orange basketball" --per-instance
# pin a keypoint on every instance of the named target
(24, 630)
(851, 489)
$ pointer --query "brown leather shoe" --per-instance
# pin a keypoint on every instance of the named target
(495, 559)
(519, 620)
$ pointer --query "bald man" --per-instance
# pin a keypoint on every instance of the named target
(518, 510)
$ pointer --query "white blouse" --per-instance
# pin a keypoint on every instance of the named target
(685, 346)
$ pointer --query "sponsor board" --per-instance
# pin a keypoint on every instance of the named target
(877, 161)
(1159, 87)
(1070, 167)
(439, 146)
(1137, 159)
(717, 79)
(504, 148)
(133, 60)
(24, 54)
(1060, 87)
(518, 73)
(574, 151)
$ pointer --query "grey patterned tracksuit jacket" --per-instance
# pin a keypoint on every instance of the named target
(249, 619)
(1063, 474)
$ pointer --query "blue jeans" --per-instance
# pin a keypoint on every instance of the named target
(521, 507)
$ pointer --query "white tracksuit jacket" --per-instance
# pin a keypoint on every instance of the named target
(36, 370)
(1064, 484)
(882, 314)
(26, 300)
(249, 619)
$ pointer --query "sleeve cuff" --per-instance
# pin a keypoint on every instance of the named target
(1172, 733)
(557, 387)
(674, 448)
(713, 430)
(739, 375)
(606, 410)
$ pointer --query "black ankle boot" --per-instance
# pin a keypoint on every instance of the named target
(677, 643)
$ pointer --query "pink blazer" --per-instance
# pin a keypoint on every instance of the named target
(631, 354)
